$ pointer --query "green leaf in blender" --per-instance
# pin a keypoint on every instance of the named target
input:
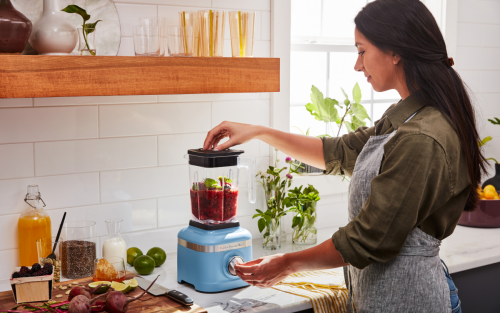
(210, 183)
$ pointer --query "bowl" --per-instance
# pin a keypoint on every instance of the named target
(486, 215)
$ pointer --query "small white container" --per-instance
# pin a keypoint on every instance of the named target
(114, 245)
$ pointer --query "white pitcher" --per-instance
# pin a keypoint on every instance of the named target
(52, 34)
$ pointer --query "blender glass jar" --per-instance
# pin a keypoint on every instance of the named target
(214, 177)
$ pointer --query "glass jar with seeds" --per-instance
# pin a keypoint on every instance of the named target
(78, 250)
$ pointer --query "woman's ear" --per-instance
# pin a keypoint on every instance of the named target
(396, 58)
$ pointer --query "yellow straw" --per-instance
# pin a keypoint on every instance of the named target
(211, 36)
(184, 31)
(239, 28)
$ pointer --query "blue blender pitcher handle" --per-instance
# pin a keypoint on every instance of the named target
(249, 164)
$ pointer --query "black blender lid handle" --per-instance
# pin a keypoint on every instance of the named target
(214, 153)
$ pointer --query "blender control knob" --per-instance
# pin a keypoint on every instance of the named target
(232, 263)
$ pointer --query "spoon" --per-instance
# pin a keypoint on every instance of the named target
(52, 255)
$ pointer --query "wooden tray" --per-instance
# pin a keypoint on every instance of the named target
(146, 304)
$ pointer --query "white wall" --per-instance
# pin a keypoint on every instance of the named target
(122, 156)
(477, 61)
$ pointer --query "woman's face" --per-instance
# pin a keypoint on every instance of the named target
(382, 69)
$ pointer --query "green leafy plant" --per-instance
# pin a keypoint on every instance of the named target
(494, 121)
(275, 191)
(303, 203)
(87, 28)
(352, 116)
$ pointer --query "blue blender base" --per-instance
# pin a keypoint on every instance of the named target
(208, 271)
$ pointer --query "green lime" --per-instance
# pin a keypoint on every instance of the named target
(101, 289)
(120, 287)
(158, 254)
(132, 254)
(144, 265)
(132, 283)
(346, 101)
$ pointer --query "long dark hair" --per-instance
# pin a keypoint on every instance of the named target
(408, 28)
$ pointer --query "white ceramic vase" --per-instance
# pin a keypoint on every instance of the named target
(52, 34)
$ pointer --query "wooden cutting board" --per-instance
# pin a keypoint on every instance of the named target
(146, 304)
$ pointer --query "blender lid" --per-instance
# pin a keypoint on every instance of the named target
(214, 153)
(211, 158)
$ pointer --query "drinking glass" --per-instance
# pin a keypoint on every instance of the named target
(110, 268)
(147, 40)
(192, 18)
(180, 41)
(212, 32)
(86, 41)
(149, 21)
(241, 26)
(44, 249)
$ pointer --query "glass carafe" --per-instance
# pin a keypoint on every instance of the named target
(33, 224)
(114, 245)
(214, 184)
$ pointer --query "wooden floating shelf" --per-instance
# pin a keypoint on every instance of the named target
(33, 76)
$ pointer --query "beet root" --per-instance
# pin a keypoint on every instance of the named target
(82, 304)
(79, 290)
(117, 302)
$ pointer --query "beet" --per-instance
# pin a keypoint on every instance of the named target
(79, 290)
(117, 302)
(82, 304)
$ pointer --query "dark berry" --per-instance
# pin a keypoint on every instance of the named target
(24, 271)
(15, 275)
(35, 268)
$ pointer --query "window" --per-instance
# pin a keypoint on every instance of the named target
(323, 55)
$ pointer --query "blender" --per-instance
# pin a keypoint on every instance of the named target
(213, 243)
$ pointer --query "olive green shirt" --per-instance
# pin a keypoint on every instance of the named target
(423, 182)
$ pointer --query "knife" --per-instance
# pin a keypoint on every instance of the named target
(158, 290)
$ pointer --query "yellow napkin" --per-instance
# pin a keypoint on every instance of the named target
(325, 288)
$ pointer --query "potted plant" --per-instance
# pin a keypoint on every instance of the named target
(495, 181)
(349, 114)
(303, 203)
(275, 187)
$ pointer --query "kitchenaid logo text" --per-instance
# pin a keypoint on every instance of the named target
(232, 246)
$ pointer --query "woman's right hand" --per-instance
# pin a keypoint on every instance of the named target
(238, 133)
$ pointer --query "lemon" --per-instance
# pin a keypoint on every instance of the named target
(490, 188)
(158, 254)
(144, 265)
(120, 287)
(490, 194)
(132, 254)
(132, 283)
(101, 289)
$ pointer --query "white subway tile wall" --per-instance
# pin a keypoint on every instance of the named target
(478, 65)
(123, 156)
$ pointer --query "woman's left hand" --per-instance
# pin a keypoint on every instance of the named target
(266, 271)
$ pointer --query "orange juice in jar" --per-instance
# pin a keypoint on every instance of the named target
(33, 224)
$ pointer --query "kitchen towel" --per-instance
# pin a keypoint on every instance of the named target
(325, 288)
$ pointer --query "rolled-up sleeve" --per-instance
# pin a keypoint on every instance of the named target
(340, 153)
(414, 182)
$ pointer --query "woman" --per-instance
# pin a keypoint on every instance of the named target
(413, 173)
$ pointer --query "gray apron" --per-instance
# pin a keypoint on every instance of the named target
(412, 282)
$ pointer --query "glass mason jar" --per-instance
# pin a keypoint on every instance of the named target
(306, 233)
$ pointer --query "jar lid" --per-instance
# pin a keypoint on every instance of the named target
(214, 158)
